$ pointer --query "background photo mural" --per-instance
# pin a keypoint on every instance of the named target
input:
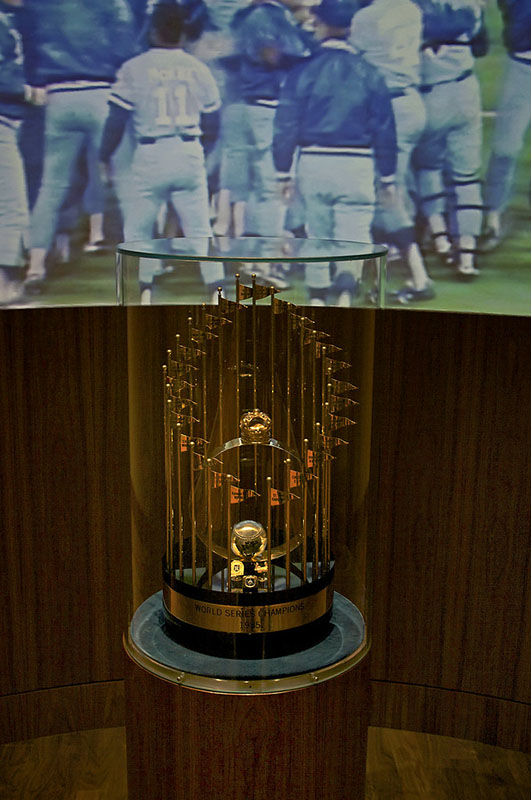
(399, 122)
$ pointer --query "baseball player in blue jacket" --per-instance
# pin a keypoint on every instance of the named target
(389, 33)
(13, 199)
(513, 115)
(269, 42)
(173, 101)
(449, 153)
(335, 110)
(73, 53)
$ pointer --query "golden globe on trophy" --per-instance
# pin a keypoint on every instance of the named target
(254, 398)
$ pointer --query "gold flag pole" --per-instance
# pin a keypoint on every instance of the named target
(220, 374)
(317, 463)
(255, 402)
(287, 506)
(229, 533)
(305, 514)
(193, 356)
(325, 494)
(288, 380)
(255, 399)
(237, 366)
(209, 521)
(191, 448)
(204, 376)
(314, 379)
(272, 359)
(179, 499)
(323, 381)
(167, 463)
(301, 348)
(269, 536)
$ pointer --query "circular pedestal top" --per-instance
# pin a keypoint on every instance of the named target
(150, 646)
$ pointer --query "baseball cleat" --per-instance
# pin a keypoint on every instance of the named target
(96, 247)
(467, 272)
(490, 240)
(408, 294)
(34, 282)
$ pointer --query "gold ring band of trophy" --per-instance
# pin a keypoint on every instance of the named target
(256, 416)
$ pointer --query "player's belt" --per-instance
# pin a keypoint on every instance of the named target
(429, 88)
(184, 137)
(401, 92)
(76, 86)
(315, 149)
(261, 101)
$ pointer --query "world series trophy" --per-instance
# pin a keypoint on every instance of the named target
(254, 397)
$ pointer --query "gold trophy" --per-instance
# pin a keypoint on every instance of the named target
(254, 396)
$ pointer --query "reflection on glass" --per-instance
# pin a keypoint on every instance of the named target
(308, 271)
(254, 398)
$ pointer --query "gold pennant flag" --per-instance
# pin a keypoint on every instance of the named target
(239, 495)
(332, 441)
(329, 348)
(258, 292)
(189, 352)
(228, 306)
(182, 405)
(181, 419)
(314, 458)
(200, 445)
(243, 292)
(280, 306)
(336, 403)
(340, 422)
(278, 497)
(176, 384)
(338, 387)
(177, 368)
(332, 365)
(216, 320)
(221, 478)
(295, 478)
(197, 335)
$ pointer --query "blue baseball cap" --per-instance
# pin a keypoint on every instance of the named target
(336, 13)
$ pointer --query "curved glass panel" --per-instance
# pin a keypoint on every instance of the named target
(307, 271)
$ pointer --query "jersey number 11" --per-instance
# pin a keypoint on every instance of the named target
(172, 105)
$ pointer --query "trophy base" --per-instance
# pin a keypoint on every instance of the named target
(248, 624)
(251, 645)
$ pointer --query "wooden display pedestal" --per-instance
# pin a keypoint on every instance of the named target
(306, 744)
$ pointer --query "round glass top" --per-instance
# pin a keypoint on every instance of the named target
(222, 248)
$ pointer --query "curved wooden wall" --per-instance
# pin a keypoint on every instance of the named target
(452, 451)
(64, 505)
(450, 517)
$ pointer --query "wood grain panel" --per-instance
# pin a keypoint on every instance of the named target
(301, 745)
(453, 503)
(88, 765)
(401, 765)
(28, 715)
(466, 716)
(404, 765)
(64, 496)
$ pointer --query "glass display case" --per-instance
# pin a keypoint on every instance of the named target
(250, 422)
(307, 271)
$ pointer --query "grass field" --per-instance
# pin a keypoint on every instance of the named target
(504, 286)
